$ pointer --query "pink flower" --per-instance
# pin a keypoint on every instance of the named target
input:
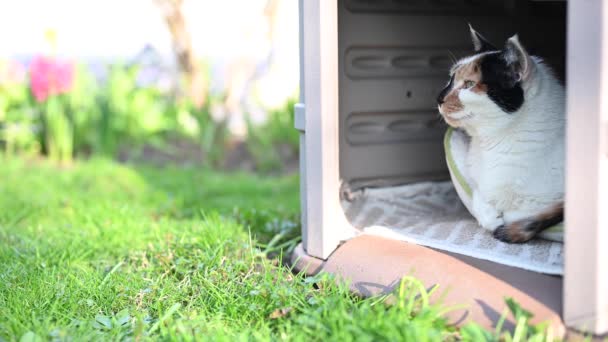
(49, 76)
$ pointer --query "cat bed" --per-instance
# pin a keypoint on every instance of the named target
(432, 214)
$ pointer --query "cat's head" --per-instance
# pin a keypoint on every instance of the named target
(486, 87)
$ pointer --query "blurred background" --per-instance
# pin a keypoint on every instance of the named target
(201, 82)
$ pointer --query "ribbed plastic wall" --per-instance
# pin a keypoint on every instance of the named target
(394, 60)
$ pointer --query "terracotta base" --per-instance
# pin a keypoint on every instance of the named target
(374, 265)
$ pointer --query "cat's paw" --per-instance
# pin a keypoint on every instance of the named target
(490, 222)
(512, 233)
(487, 216)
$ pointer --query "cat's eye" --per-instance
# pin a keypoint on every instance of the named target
(469, 84)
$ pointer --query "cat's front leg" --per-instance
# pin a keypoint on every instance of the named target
(487, 216)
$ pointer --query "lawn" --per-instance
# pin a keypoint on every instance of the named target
(104, 251)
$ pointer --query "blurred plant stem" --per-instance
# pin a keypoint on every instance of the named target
(59, 133)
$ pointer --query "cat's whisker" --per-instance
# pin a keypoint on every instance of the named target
(454, 59)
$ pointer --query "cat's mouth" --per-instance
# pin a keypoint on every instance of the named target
(455, 118)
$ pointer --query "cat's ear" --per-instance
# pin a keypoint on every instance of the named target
(479, 42)
(517, 58)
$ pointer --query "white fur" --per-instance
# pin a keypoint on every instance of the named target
(516, 160)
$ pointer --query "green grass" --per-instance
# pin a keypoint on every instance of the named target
(100, 251)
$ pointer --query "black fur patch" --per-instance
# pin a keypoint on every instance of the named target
(445, 91)
(525, 230)
(504, 87)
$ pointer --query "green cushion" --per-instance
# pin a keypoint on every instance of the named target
(455, 143)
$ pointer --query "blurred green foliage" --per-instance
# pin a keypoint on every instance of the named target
(211, 134)
(91, 118)
(19, 122)
(277, 136)
(128, 113)
(120, 113)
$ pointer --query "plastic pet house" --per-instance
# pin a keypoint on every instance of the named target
(377, 198)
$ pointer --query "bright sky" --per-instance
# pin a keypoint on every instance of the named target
(108, 28)
(222, 30)
(85, 28)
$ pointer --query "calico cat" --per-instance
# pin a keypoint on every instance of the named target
(513, 109)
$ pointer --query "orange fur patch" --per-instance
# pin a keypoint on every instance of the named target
(480, 88)
(452, 103)
(466, 72)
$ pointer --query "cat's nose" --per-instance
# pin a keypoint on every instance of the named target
(440, 99)
(444, 92)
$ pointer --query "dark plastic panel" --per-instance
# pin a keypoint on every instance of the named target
(394, 60)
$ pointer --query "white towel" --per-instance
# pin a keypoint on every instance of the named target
(432, 215)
